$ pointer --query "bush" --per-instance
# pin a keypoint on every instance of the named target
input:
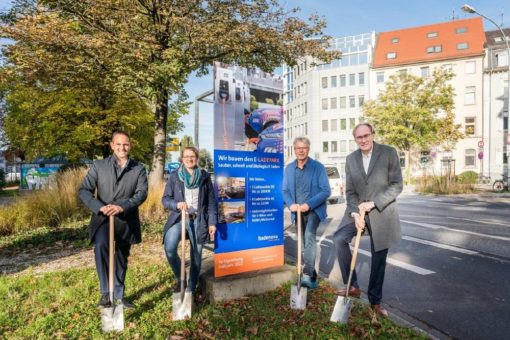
(468, 177)
(441, 185)
(2, 179)
(48, 207)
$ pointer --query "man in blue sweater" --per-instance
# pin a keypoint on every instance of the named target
(306, 186)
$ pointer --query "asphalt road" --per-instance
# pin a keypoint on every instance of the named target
(450, 273)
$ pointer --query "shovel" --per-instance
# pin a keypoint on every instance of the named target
(343, 305)
(112, 318)
(298, 293)
(182, 301)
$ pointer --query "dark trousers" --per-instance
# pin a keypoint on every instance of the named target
(120, 262)
(342, 239)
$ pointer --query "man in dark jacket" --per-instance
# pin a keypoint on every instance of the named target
(121, 185)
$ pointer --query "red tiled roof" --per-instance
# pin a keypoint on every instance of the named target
(413, 43)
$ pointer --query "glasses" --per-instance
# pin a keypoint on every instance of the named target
(189, 157)
(301, 148)
(360, 138)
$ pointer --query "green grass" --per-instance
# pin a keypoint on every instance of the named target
(62, 304)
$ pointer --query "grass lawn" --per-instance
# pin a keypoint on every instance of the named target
(61, 304)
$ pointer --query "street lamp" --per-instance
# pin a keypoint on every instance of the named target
(469, 9)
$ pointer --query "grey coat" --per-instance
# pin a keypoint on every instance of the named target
(129, 190)
(382, 185)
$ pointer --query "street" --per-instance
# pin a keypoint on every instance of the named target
(451, 272)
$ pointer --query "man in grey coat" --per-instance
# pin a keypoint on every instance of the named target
(373, 182)
(121, 185)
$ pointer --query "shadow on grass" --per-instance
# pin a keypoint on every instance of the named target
(41, 246)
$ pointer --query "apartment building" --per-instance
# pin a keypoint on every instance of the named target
(457, 45)
(495, 100)
(323, 101)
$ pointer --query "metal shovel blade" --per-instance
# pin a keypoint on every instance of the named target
(112, 319)
(342, 310)
(298, 297)
(181, 307)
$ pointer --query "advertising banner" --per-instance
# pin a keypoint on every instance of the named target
(248, 158)
(37, 176)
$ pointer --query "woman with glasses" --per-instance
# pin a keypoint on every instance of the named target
(189, 189)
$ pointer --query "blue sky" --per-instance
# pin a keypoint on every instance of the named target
(355, 17)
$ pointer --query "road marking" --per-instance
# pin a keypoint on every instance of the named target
(435, 226)
(439, 245)
(397, 263)
(410, 267)
(479, 221)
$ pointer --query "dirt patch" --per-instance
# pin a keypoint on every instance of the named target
(39, 261)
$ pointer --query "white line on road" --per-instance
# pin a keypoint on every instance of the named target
(435, 226)
(439, 245)
(407, 266)
(479, 221)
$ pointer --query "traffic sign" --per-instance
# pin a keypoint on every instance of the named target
(480, 144)
(480, 155)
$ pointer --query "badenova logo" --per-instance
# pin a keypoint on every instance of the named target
(268, 238)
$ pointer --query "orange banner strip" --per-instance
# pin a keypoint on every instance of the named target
(247, 260)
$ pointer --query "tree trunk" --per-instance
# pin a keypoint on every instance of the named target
(408, 167)
(158, 157)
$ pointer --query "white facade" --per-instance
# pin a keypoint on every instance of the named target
(468, 87)
(495, 81)
(324, 102)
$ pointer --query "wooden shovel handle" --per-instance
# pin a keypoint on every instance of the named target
(356, 243)
(111, 254)
(183, 239)
(299, 236)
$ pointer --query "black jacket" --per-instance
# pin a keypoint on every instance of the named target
(207, 213)
(129, 191)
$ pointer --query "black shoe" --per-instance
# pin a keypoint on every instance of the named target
(104, 301)
(125, 303)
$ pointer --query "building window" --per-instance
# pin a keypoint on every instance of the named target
(469, 126)
(342, 103)
(324, 82)
(342, 80)
(391, 55)
(334, 124)
(361, 78)
(324, 146)
(333, 81)
(462, 46)
(343, 125)
(432, 35)
(333, 103)
(402, 72)
(306, 107)
(352, 145)
(325, 125)
(343, 146)
(324, 103)
(352, 101)
(425, 71)
(505, 123)
(470, 67)
(352, 123)
(361, 101)
(469, 158)
(380, 77)
(352, 79)
(469, 95)
(394, 40)
(334, 147)
(434, 49)
(500, 59)
(461, 30)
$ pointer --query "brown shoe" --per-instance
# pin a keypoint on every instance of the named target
(380, 311)
(353, 291)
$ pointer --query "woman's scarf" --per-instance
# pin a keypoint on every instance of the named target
(191, 181)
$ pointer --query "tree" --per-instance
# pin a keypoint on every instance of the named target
(414, 114)
(205, 160)
(154, 51)
(186, 141)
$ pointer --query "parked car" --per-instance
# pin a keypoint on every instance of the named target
(335, 182)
